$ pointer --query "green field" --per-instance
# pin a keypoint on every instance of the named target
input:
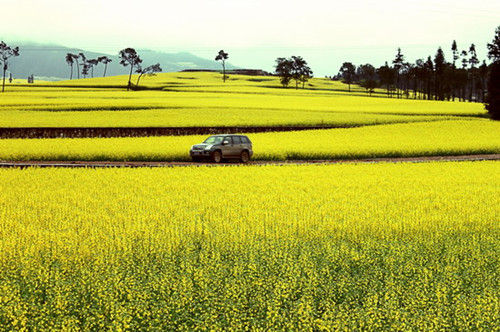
(350, 247)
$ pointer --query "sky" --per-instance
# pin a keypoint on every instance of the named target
(256, 32)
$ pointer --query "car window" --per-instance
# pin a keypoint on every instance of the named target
(214, 140)
(245, 140)
(228, 139)
(236, 140)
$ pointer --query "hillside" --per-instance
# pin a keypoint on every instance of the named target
(48, 62)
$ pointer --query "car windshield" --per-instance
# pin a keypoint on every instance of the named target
(214, 140)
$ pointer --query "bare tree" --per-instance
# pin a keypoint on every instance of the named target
(6, 52)
(222, 56)
(129, 57)
(105, 60)
(148, 71)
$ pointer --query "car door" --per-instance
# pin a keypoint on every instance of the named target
(227, 147)
(237, 146)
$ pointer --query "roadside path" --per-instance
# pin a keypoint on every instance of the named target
(135, 164)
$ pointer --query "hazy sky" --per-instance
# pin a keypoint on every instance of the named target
(255, 32)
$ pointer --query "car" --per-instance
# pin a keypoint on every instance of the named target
(219, 147)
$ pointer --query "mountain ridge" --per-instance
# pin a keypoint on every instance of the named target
(47, 61)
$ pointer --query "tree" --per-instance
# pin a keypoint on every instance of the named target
(92, 63)
(386, 75)
(454, 50)
(367, 76)
(473, 61)
(148, 71)
(429, 77)
(284, 68)
(456, 56)
(493, 100)
(6, 52)
(439, 67)
(494, 47)
(300, 71)
(483, 78)
(85, 69)
(493, 97)
(105, 60)
(70, 60)
(348, 73)
(129, 57)
(398, 65)
(222, 56)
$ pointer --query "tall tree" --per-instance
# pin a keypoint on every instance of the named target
(398, 65)
(148, 71)
(70, 60)
(386, 74)
(129, 57)
(105, 60)
(348, 73)
(493, 99)
(85, 69)
(494, 47)
(483, 78)
(473, 61)
(284, 69)
(456, 56)
(6, 52)
(439, 68)
(83, 63)
(92, 63)
(222, 56)
(429, 77)
(367, 77)
(454, 50)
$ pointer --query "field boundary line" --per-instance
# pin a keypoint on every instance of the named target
(155, 164)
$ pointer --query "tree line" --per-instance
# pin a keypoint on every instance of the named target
(464, 78)
(127, 56)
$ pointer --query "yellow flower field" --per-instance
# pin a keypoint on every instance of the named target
(394, 140)
(351, 247)
(201, 99)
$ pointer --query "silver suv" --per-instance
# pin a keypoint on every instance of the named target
(219, 147)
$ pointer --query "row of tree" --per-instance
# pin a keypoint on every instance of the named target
(87, 65)
(128, 57)
(432, 78)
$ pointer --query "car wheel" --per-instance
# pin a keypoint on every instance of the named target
(244, 157)
(216, 156)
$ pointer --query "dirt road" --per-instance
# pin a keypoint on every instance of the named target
(134, 164)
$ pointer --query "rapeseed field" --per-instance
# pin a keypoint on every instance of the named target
(342, 247)
(201, 99)
(457, 137)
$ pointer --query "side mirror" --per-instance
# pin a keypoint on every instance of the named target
(225, 143)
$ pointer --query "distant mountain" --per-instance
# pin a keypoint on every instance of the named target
(48, 62)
